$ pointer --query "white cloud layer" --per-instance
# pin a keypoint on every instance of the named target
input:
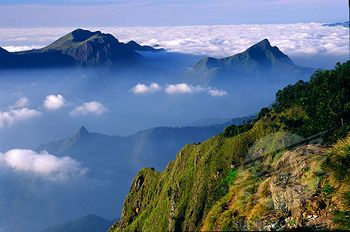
(217, 92)
(41, 164)
(216, 40)
(143, 89)
(181, 88)
(54, 102)
(93, 107)
(18, 112)
(19, 48)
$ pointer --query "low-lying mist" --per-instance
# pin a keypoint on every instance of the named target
(123, 110)
(39, 106)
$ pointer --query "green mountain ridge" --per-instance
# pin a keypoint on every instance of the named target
(288, 169)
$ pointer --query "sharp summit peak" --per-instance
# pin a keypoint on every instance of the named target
(263, 43)
(83, 131)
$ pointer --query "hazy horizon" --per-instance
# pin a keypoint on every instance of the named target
(167, 13)
(308, 44)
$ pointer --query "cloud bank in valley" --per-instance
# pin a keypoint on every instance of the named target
(20, 110)
(20, 48)
(173, 89)
(217, 40)
(183, 88)
(86, 108)
(7, 118)
(41, 164)
(143, 88)
(54, 102)
(17, 112)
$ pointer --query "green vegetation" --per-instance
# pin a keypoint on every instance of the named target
(337, 165)
(322, 104)
(227, 181)
(261, 175)
(327, 189)
(342, 219)
(234, 130)
(339, 161)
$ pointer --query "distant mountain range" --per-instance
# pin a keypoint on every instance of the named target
(90, 223)
(83, 48)
(77, 48)
(344, 24)
(152, 147)
(114, 160)
(258, 60)
(207, 122)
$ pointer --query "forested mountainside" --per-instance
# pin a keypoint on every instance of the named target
(289, 168)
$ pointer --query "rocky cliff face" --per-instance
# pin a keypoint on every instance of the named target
(291, 194)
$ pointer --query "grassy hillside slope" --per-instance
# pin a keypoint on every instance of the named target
(287, 169)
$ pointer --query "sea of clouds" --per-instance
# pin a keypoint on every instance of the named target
(24, 110)
(182, 88)
(217, 40)
(21, 111)
(41, 164)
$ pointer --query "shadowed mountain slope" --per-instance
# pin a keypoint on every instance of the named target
(260, 60)
(78, 48)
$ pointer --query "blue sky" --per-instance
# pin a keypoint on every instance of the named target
(23, 13)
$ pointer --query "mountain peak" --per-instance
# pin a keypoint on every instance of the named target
(133, 45)
(265, 54)
(3, 51)
(261, 59)
(263, 43)
(78, 38)
(89, 48)
(262, 46)
(132, 42)
(81, 48)
(82, 132)
(80, 35)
